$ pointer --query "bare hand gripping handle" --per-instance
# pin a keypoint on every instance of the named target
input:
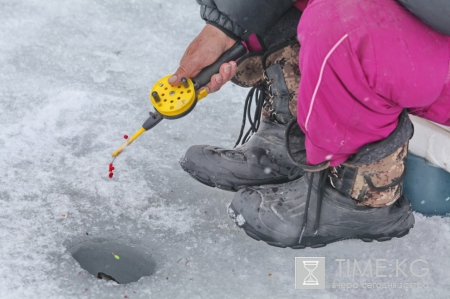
(234, 53)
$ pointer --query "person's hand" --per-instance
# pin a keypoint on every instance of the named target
(204, 50)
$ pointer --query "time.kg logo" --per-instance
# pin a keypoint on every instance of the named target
(309, 273)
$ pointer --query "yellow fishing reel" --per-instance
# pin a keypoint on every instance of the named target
(175, 101)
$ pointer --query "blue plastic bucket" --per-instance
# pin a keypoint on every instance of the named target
(427, 187)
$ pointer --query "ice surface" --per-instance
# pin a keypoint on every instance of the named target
(75, 77)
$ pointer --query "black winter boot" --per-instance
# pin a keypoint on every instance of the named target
(360, 199)
(263, 158)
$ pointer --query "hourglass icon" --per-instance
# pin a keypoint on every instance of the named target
(310, 279)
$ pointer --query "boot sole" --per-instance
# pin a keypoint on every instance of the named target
(230, 186)
(252, 233)
(209, 183)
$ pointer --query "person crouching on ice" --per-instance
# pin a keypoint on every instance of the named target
(327, 158)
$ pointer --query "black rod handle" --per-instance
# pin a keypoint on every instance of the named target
(235, 52)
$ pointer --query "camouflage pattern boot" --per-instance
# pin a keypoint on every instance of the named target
(359, 199)
(262, 159)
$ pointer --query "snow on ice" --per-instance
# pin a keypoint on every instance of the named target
(75, 77)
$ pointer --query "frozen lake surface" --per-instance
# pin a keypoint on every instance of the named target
(74, 78)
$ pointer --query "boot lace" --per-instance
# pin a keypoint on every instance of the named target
(323, 174)
(322, 170)
(262, 96)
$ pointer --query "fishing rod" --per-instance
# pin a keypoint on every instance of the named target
(173, 102)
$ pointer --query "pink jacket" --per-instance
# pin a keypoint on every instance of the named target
(362, 63)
